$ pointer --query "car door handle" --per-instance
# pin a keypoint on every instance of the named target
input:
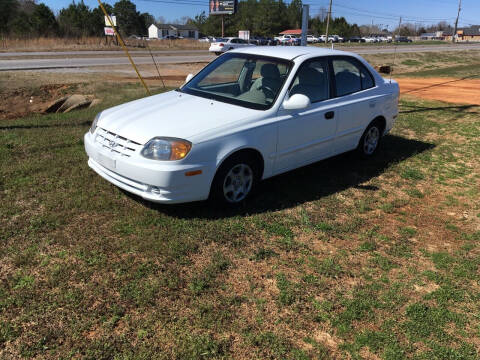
(329, 115)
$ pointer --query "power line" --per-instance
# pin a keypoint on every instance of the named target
(389, 16)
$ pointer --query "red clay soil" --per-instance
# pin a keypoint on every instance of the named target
(443, 89)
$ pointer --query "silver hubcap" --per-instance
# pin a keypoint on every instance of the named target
(238, 183)
(371, 140)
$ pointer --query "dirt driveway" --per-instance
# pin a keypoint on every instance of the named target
(464, 91)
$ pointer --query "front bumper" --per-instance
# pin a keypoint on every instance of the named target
(156, 181)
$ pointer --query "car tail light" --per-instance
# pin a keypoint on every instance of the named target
(221, 44)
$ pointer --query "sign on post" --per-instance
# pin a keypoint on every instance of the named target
(114, 20)
(223, 7)
(109, 31)
(244, 34)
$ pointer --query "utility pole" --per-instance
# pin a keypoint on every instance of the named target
(395, 53)
(399, 28)
(456, 21)
(305, 17)
(328, 20)
(223, 27)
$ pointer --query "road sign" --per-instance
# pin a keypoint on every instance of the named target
(109, 31)
(114, 20)
(220, 7)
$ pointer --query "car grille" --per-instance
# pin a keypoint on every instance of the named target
(116, 143)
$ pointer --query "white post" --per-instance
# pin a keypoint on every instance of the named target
(304, 25)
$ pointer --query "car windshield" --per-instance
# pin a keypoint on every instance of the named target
(247, 80)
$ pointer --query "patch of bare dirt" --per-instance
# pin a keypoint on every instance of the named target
(23, 101)
(464, 91)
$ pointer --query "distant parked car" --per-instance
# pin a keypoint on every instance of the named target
(170, 37)
(288, 40)
(312, 39)
(355, 39)
(251, 114)
(339, 38)
(262, 41)
(226, 44)
(334, 39)
(403, 39)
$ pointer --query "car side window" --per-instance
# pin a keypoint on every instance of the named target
(351, 76)
(234, 41)
(312, 81)
(367, 79)
(347, 77)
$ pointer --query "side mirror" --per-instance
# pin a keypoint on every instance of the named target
(385, 69)
(296, 102)
(189, 77)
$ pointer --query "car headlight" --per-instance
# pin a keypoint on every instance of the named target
(164, 148)
(94, 123)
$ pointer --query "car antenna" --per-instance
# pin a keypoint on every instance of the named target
(395, 52)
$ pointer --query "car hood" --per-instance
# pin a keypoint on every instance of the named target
(171, 114)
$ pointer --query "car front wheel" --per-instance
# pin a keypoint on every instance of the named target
(235, 180)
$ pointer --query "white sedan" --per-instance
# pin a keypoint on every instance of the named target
(226, 44)
(249, 115)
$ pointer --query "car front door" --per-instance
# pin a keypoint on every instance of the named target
(307, 135)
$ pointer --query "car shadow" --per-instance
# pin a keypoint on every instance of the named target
(454, 108)
(27, 127)
(306, 184)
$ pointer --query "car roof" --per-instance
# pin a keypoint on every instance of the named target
(289, 52)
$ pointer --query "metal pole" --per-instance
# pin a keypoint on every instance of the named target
(124, 48)
(222, 27)
(328, 21)
(456, 21)
(304, 24)
(395, 53)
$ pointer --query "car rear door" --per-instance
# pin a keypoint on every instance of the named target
(354, 89)
(307, 135)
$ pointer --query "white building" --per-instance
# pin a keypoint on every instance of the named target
(156, 31)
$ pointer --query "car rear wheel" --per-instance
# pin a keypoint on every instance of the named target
(370, 140)
(218, 53)
(235, 180)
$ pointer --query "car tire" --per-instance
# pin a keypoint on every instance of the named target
(235, 180)
(370, 140)
(218, 53)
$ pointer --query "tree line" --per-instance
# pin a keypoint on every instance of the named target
(26, 18)
(268, 18)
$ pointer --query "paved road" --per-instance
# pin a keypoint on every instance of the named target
(76, 59)
(62, 63)
(87, 53)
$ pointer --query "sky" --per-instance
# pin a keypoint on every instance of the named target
(384, 13)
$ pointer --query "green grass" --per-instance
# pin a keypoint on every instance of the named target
(334, 260)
